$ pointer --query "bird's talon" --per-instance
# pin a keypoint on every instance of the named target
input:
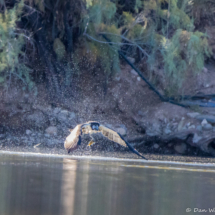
(91, 143)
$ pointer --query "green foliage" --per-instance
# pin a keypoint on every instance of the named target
(89, 3)
(164, 29)
(128, 18)
(100, 18)
(161, 32)
(138, 5)
(101, 11)
(11, 43)
(59, 48)
(184, 52)
(203, 12)
(38, 3)
(170, 40)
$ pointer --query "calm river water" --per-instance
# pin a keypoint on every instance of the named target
(32, 185)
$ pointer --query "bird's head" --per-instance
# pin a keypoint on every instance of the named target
(95, 125)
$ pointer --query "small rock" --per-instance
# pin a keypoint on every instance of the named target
(47, 135)
(57, 110)
(196, 138)
(63, 116)
(37, 119)
(51, 130)
(188, 124)
(167, 131)
(28, 132)
(72, 115)
(121, 130)
(184, 128)
(53, 121)
(204, 122)
(138, 78)
(206, 85)
(192, 127)
(193, 115)
(117, 78)
(141, 113)
(30, 143)
(2, 136)
(207, 127)
(65, 112)
(156, 146)
(205, 70)
(209, 118)
(174, 124)
(181, 124)
(134, 72)
(131, 59)
(154, 130)
(180, 148)
(32, 139)
(199, 128)
(52, 142)
(109, 125)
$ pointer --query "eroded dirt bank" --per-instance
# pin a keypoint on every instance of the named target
(126, 105)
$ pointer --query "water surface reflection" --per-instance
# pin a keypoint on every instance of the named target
(52, 186)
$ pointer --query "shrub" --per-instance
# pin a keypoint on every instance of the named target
(11, 47)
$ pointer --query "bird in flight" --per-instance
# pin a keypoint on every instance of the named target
(74, 139)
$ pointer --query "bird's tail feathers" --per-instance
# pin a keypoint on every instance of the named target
(133, 149)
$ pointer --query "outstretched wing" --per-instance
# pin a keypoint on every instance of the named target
(117, 138)
(107, 132)
(112, 135)
(74, 139)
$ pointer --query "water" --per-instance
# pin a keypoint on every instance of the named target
(61, 186)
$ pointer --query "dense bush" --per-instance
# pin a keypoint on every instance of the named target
(161, 33)
(12, 56)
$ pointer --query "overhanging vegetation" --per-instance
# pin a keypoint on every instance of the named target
(58, 40)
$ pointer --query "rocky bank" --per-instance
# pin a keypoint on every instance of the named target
(127, 106)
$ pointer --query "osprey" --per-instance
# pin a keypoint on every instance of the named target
(74, 139)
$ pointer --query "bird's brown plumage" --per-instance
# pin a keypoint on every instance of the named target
(107, 132)
(74, 139)
(112, 135)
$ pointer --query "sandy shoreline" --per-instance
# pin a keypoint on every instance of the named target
(153, 159)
